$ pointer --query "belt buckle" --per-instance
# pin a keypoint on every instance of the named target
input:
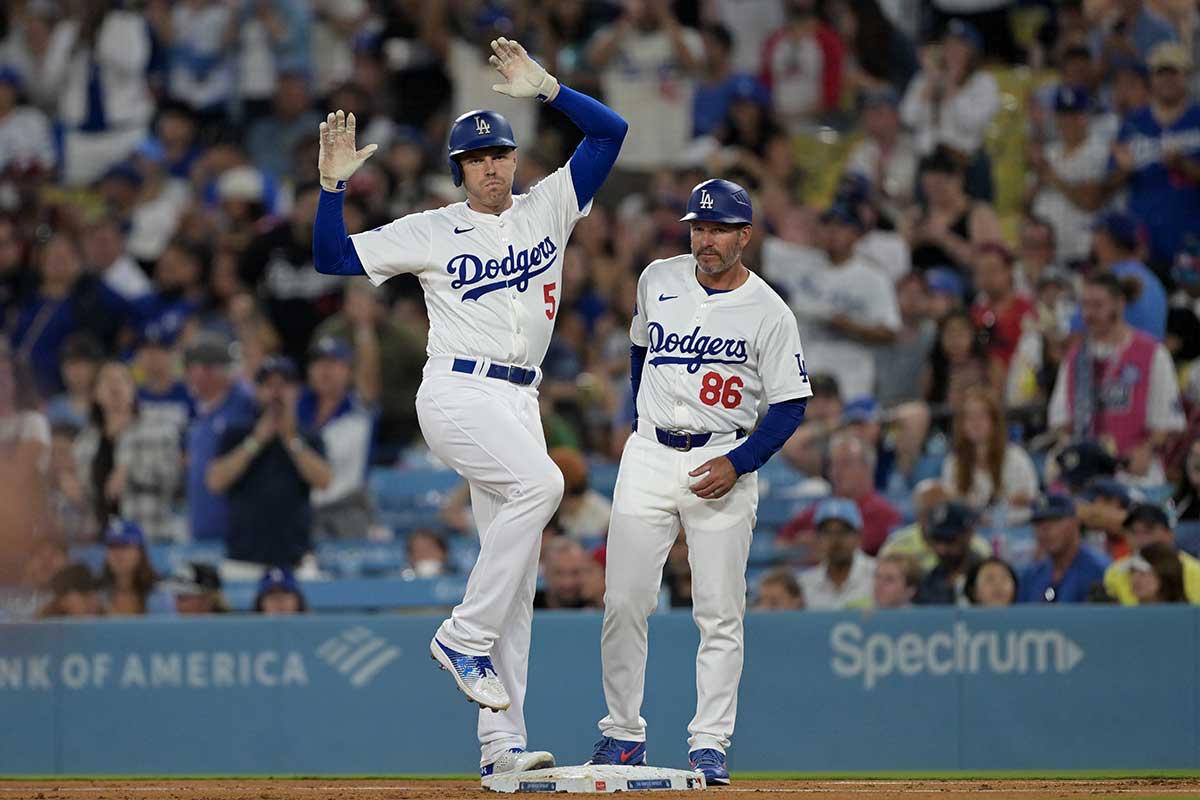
(516, 374)
(687, 438)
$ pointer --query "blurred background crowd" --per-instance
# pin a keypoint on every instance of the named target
(985, 214)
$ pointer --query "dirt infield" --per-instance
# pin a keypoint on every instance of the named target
(267, 789)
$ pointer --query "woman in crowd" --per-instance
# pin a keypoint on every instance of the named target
(959, 361)
(991, 582)
(950, 224)
(951, 103)
(1156, 574)
(128, 582)
(129, 466)
(1187, 496)
(985, 468)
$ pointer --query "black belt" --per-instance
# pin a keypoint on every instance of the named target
(682, 440)
(503, 372)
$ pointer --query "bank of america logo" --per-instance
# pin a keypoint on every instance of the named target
(358, 654)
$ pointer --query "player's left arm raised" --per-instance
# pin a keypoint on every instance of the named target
(603, 129)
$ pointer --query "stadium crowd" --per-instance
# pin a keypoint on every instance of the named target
(985, 214)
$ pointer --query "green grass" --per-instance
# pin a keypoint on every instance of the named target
(965, 775)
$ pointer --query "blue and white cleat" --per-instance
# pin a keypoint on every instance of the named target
(517, 760)
(711, 764)
(475, 675)
(619, 752)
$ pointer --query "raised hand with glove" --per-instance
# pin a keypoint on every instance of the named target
(525, 77)
(337, 158)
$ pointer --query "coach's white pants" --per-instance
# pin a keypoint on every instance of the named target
(490, 432)
(650, 502)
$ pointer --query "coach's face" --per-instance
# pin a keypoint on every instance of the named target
(718, 246)
(488, 177)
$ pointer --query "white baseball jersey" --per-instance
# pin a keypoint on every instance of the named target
(713, 359)
(492, 282)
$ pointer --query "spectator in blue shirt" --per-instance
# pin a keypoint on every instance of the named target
(1069, 571)
(1157, 156)
(161, 395)
(219, 403)
(1133, 32)
(1116, 246)
(720, 84)
(67, 300)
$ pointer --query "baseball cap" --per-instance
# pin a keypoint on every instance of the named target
(1052, 506)
(275, 365)
(949, 520)
(839, 508)
(207, 347)
(1124, 63)
(1171, 55)
(861, 409)
(1072, 99)
(1079, 462)
(1123, 227)
(193, 578)
(1103, 487)
(944, 280)
(12, 76)
(853, 188)
(874, 98)
(162, 332)
(330, 347)
(241, 183)
(961, 29)
(1054, 275)
(1149, 513)
(278, 579)
(824, 385)
(750, 89)
(843, 214)
(123, 532)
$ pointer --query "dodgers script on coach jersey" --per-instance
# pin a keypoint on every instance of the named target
(492, 283)
(712, 359)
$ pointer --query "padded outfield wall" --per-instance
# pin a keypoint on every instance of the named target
(1026, 688)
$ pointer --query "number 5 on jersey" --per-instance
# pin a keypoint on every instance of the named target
(714, 389)
(551, 301)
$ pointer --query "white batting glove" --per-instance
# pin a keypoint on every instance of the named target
(337, 159)
(525, 77)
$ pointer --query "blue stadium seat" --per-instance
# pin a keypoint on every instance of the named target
(602, 476)
(403, 489)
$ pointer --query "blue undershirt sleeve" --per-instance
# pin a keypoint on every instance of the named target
(333, 252)
(637, 362)
(777, 427)
(603, 132)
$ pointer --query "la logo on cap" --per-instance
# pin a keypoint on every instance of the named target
(706, 200)
(481, 126)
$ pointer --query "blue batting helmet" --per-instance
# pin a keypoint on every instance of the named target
(718, 200)
(475, 130)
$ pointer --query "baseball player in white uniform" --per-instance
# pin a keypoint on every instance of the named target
(712, 342)
(491, 270)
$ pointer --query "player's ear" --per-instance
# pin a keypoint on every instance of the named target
(744, 235)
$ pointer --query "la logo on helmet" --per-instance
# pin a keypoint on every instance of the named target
(706, 200)
(481, 126)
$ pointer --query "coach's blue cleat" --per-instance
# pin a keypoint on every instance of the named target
(619, 752)
(475, 676)
(711, 764)
(517, 760)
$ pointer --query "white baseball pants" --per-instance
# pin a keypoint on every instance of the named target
(651, 501)
(490, 432)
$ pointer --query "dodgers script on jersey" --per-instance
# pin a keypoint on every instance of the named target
(713, 359)
(492, 282)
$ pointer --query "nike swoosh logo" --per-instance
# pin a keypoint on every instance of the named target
(664, 297)
(627, 754)
(464, 230)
